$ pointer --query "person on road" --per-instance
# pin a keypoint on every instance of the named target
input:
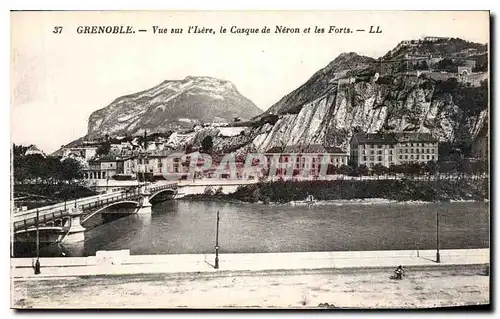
(399, 272)
(36, 266)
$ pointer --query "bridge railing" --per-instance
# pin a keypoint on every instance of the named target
(165, 186)
(43, 219)
(123, 196)
(58, 206)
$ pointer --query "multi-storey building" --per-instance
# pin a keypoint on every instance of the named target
(309, 157)
(392, 148)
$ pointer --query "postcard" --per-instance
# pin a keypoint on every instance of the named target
(250, 159)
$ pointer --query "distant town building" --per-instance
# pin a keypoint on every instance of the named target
(464, 70)
(104, 167)
(434, 39)
(470, 63)
(34, 150)
(309, 157)
(392, 148)
(86, 151)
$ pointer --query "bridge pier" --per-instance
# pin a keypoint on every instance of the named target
(145, 205)
(76, 231)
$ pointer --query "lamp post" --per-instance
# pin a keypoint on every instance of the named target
(37, 262)
(217, 243)
(438, 257)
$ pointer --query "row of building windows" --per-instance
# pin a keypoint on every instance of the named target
(400, 145)
(422, 157)
(314, 160)
(372, 158)
(95, 175)
(380, 158)
(406, 150)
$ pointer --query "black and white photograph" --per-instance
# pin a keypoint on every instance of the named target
(250, 159)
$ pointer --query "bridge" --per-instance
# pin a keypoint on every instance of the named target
(63, 221)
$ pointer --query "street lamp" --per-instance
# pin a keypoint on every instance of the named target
(217, 243)
(438, 257)
(37, 263)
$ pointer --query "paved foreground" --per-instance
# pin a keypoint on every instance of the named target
(423, 287)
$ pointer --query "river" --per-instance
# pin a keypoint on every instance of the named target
(182, 227)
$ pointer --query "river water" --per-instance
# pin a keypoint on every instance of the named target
(181, 227)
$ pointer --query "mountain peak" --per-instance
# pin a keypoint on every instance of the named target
(171, 105)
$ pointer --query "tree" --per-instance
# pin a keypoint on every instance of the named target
(422, 65)
(447, 65)
(70, 170)
(103, 149)
(379, 169)
(207, 144)
(415, 168)
(345, 170)
(331, 169)
(361, 170)
(431, 167)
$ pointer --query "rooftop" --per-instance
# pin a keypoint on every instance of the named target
(312, 148)
(392, 138)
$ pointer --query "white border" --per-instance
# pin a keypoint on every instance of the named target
(181, 5)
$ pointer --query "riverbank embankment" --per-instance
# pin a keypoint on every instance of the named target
(389, 189)
(122, 263)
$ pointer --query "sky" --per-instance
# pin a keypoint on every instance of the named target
(58, 80)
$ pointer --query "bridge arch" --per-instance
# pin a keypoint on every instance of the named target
(85, 217)
(162, 191)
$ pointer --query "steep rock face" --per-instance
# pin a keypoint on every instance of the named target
(407, 104)
(320, 83)
(172, 105)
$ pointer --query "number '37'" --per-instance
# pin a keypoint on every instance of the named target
(57, 30)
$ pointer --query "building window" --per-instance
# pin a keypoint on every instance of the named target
(432, 156)
(372, 152)
(411, 146)
(406, 150)
(103, 175)
(411, 151)
(380, 146)
(411, 157)
(379, 158)
(400, 156)
(379, 152)
(406, 156)
(427, 151)
(372, 158)
(427, 156)
(390, 152)
(391, 146)
(417, 156)
(364, 158)
(418, 150)
(390, 158)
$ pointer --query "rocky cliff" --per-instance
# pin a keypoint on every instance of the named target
(172, 105)
(351, 94)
